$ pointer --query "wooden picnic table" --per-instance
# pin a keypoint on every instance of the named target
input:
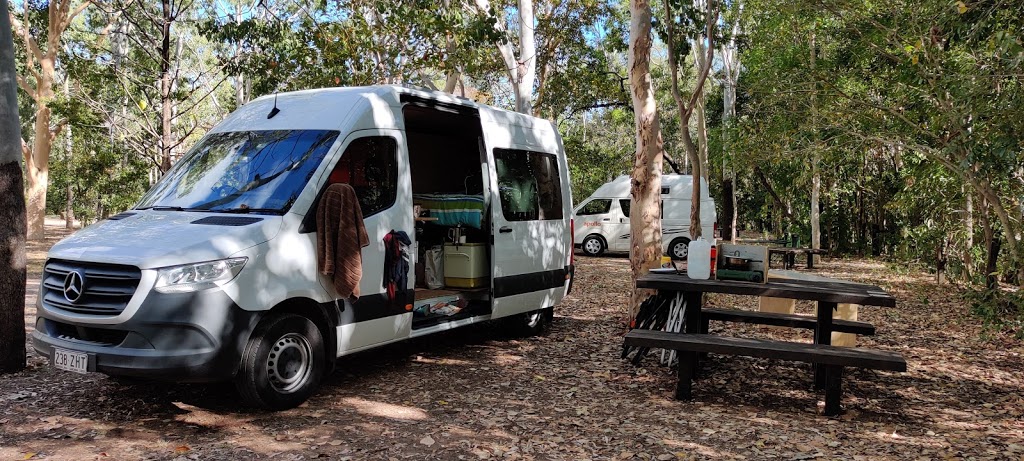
(828, 360)
(789, 255)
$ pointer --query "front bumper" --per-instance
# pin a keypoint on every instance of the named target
(184, 337)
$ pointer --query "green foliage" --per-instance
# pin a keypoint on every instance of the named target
(999, 311)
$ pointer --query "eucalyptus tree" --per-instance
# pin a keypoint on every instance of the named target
(41, 28)
(12, 211)
(700, 23)
(729, 75)
(645, 211)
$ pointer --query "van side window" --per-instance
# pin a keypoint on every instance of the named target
(595, 207)
(370, 166)
(528, 184)
(624, 204)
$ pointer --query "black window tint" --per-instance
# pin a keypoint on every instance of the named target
(595, 207)
(370, 166)
(624, 204)
(528, 184)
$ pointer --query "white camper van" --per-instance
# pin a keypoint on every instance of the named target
(214, 274)
(602, 220)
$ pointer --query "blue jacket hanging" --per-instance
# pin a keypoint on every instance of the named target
(396, 265)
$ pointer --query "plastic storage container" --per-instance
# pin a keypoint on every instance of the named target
(698, 264)
(465, 265)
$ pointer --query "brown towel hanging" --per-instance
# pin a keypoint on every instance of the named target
(340, 238)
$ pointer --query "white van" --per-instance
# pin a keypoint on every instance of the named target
(603, 218)
(213, 275)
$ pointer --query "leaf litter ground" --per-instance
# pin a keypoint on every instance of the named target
(474, 393)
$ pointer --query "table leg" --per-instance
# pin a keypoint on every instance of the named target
(823, 335)
(684, 388)
(810, 260)
(833, 390)
(692, 325)
(692, 312)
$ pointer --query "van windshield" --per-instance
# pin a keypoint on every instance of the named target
(242, 171)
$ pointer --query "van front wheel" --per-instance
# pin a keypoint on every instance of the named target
(592, 246)
(679, 249)
(282, 364)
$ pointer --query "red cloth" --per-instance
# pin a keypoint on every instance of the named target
(340, 237)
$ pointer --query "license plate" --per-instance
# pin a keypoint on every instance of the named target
(77, 362)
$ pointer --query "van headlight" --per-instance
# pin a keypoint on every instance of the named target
(199, 276)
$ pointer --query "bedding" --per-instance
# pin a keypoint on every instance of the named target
(453, 209)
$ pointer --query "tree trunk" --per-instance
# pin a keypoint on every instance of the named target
(969, 237)
(69, 145)
(12, 210)
(687, 109)
(731, 66)
(166, 111)
(241, 96)
(699, 51)
(992, 277)
(727, 219)
(37, 159)
(38, 163)
(645, 219)
(527, 64)
(522, 72)
(815, 160)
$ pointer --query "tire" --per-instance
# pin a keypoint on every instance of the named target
(593, 246)
(533, 323)
(282, 364)
(679, 249)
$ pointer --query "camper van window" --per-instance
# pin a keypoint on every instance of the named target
(242, 171)
(370, 167)
(595, 207)
(528, 184)
(624, 204)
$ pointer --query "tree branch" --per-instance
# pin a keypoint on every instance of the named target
(24, 85)
(771, 191)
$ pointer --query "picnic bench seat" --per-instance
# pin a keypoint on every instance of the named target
(780, 320)
(833, 358)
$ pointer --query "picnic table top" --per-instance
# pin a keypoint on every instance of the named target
(827, 290)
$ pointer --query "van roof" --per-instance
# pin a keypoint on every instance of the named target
(333, 108)
(679, 186)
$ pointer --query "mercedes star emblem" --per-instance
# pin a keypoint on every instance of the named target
(74, 285)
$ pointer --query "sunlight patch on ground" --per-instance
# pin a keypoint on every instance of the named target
(441, 361)
(685, 449)
(385, 410)
(201, 417)
(506, 359)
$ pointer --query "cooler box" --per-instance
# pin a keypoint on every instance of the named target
(465, 265)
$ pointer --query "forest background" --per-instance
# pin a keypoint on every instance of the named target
(885, 129)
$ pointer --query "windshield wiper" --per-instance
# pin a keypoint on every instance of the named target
(163, 208)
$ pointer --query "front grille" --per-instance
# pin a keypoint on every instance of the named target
(86, 335)
(107, 288)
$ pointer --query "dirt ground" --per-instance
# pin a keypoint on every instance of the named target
(473, 393)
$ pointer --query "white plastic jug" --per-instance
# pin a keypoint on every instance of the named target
(698, 261)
